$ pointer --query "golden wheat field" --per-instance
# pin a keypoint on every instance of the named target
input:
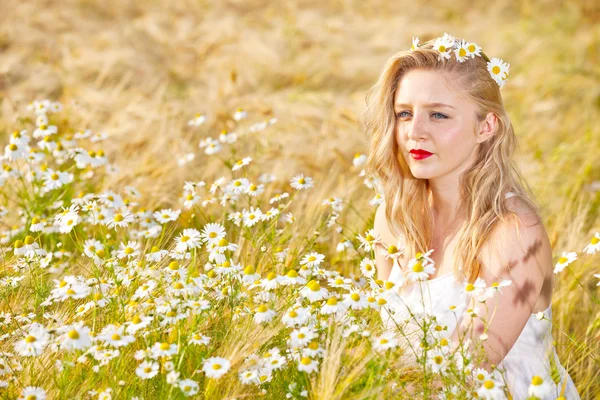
(189, 218)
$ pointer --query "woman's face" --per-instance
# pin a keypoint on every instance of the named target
(446, 129)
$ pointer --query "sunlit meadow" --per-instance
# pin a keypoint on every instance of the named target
(183, 211)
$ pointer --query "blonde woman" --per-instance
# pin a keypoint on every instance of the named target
(441, 151)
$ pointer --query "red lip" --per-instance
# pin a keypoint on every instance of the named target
(420, 154)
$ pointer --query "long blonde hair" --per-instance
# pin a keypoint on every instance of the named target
(483, 187)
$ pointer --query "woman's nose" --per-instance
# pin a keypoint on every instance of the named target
(416, 128)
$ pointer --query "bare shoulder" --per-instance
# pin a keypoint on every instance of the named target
(520, 241)
(524, 212)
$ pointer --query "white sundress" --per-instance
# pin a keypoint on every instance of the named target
(528, 357)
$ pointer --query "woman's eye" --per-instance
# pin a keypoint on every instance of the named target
(436, 115)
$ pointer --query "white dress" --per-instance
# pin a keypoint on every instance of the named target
(528, 357)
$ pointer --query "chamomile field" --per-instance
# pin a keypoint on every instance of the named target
(184, 211)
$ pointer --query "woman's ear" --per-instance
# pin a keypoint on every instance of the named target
(487, 127)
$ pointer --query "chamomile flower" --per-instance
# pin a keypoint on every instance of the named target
(251, 217)
(263, 314)
(499, 70)
(279, 197)
(370, 240)
(199, 339)
(75, 337)
(385, 342)
(34, 342)
(367, 267)
(473, 50)
(120, 220)
(188, 387)
(437, 361)
(313, 291)
(241, 163)
(415, 43)
(540, 387)
(308, 365)
(212, 233)
(355, 300)
(312, 259)
(216, 367)
(564, 261)
(187, 240)
(491, 390)
(147, 369)
(33, 393)
(594, 244)
(461, 51)
(301, 182)
(129, 250)
(164, 349)
(198, 120)
(166, 215)
(227, 137)
(597, 276)
(419, 270)
(210, 145)
(254, 190)
(114, 335)
(444, 46)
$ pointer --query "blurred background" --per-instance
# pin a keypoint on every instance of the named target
(139, 70)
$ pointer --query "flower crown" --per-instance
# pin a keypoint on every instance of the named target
(497, 68)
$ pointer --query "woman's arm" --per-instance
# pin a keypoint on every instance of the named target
(518, 250)
(383, 264)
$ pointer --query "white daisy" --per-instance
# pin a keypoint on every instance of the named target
(498, 70)
(188, 387)
(251, 217)
(164, 349)
(212, 233)
(300, 182)
(240, 114)
(491, 390)
(594, 244)
(461, 51)
(215, 367)
(370, 240)
(419, 270)
(187, 240)
(75, 337)
(34, 342)
(444, 46)
(129, 250)
(33, 393)
(166, 215)
(147, 369)
(263, 314)
(540, 387)
(313, 291)
(241, 163)
(385, 342)
(308, 365)
(120, 219)
(312, 259)
(415, 43)
(564, 261)
(115, 336)
(237, 186)
(473, 50)
(198, 120)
